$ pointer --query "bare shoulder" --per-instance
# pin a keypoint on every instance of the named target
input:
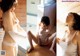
(78, 35)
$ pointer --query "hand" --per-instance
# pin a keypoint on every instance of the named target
(57, 40)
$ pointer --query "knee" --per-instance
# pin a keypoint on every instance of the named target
(29, 32)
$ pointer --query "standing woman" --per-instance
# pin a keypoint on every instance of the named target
(69, 42)
(10, 23)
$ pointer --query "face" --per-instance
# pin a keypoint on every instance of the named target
(43, 26)
(69, 20)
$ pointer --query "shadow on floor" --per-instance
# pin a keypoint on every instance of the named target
(40, 51)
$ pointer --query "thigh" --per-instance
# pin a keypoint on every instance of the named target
(16, 50)
(34, 38)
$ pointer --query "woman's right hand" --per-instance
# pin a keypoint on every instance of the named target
(57, 40)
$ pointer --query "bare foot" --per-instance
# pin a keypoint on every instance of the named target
(29, 49)
(52, 51)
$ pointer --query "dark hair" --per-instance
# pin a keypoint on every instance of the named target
(45, 20)
(6, 4)
(76, 24)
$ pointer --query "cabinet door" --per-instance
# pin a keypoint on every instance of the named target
(32, 6)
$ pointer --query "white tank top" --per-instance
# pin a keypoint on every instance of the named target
(69, 50)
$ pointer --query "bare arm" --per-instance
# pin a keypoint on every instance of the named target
(21, 30)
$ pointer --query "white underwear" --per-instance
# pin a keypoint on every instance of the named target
(13, 45)
(10, 44)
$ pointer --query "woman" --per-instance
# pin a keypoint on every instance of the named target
(69, 41)
(10, 23)
(44, 36)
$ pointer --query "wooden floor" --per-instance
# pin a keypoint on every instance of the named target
(40, 51)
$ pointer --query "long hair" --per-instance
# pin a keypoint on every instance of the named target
(76, 20)
(5, 5)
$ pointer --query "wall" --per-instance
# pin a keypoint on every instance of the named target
(50, 11)
(21, 12)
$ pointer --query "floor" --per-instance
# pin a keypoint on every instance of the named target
(40, 51)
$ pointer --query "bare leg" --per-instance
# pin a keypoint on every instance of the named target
(52, 39)
(31, 37)
(52, 46)
(16, 50)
